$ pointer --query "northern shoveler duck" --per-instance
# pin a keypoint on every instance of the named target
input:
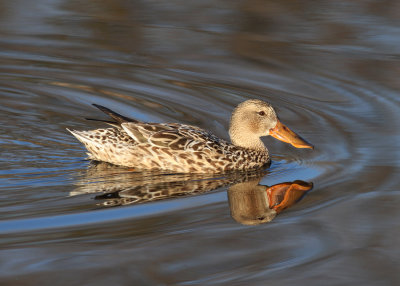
(184, 148)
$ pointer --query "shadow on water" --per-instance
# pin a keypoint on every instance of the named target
(250, 203)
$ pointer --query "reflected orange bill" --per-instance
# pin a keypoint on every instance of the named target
(284, 195)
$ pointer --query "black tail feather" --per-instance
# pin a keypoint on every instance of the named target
(116, 116)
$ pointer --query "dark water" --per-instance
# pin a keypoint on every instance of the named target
(331, 68)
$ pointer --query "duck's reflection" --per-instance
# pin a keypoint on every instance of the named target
(250, 202)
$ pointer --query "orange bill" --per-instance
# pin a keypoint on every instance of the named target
(283, 133)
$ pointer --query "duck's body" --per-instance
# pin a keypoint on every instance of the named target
(175, 147)
(184, 148)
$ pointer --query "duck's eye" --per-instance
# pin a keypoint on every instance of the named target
(262, 113)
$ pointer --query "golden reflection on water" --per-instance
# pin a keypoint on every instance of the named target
(250, 203)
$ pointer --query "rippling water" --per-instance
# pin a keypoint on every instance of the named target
(330, 68)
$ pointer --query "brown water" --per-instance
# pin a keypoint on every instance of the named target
(331, 68)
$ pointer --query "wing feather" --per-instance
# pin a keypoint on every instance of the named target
(173, 136)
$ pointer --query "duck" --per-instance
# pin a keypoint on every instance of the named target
(182, 148)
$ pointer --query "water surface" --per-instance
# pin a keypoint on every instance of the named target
(330, 69)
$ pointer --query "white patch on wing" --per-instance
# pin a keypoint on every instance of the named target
(128, 129)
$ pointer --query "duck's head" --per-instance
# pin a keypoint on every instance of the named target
(255, 118)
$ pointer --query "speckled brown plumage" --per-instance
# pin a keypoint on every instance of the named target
(183, 148)
(174, 147)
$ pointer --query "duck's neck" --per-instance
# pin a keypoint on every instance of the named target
(243, 139)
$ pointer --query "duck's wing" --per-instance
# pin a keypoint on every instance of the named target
(173, 136)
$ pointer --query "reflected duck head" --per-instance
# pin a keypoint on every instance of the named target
(253, 204)
(249, 203)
